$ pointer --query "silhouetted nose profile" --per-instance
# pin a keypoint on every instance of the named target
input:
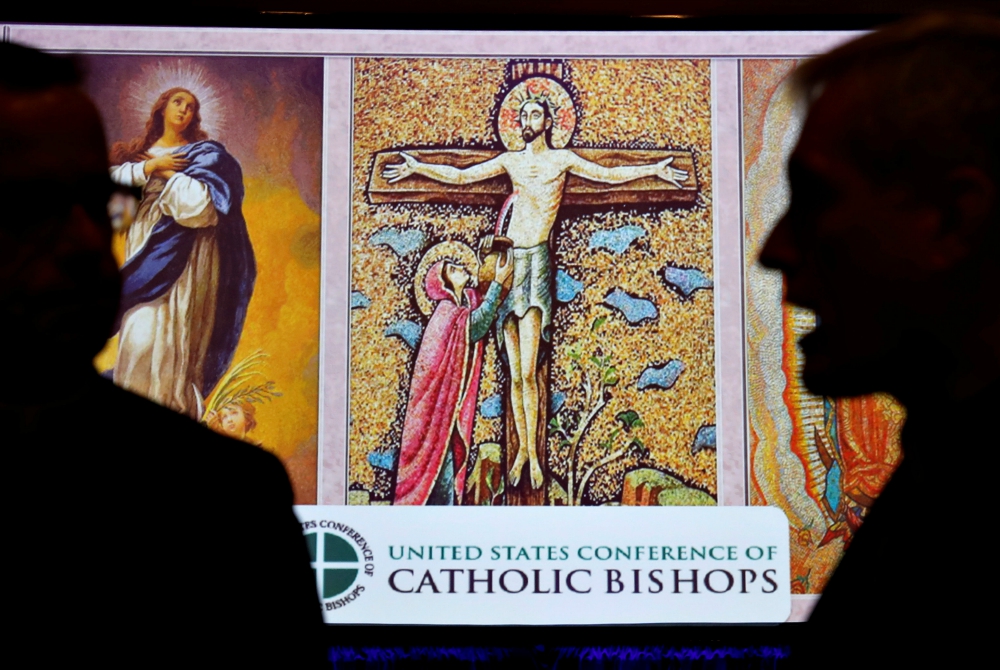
(892, 237)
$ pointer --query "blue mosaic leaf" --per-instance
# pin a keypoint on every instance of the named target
(382, 459)
(359, 300)
(408, 331)
(616, 241)
(685, 281)
(403, 241)
(492, 407)
(557, 401)
(704, 439)
(567, 288)
(662, 376)
(635, 310)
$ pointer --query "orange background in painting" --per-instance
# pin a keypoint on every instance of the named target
(275, 132)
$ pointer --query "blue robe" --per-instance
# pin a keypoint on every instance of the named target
(152, 272)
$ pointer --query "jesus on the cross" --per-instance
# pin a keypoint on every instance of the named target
(538, 175)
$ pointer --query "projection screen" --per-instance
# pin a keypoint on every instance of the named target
(506, 330)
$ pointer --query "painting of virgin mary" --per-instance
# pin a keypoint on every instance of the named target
(189, 266)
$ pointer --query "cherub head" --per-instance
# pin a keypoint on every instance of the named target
(235, 419)
(232, 408)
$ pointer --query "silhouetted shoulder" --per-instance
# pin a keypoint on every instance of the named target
(173, 450)
(186, 530)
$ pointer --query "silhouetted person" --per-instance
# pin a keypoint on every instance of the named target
(893, 237)
(133, 537)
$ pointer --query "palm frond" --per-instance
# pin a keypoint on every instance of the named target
(232, 386)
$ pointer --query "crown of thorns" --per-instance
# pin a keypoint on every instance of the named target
(542, 99)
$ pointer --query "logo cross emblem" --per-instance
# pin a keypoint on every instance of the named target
(334, 562)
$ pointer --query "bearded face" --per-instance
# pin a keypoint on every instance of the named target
(534, 121)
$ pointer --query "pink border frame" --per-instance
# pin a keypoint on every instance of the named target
(440, 43)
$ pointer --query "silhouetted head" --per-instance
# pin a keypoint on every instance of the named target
(891, 236)
(59, 283)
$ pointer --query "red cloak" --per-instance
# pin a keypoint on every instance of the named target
(443, 393)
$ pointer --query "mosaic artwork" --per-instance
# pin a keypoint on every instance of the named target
(220, 251)
(820, 460)
(532, 313)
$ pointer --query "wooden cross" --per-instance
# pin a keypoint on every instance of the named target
(648, 191)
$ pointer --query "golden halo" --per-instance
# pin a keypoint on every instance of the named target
(452, 250)
(563, 110)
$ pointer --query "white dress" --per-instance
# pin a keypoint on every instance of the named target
(162, 344)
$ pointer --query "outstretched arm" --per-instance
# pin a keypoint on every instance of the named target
(443, 173)
(618, 175)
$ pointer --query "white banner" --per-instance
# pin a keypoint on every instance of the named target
(549, 566)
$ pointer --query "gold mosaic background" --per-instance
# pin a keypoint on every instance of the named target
(621, 103)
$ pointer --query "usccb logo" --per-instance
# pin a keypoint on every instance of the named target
(341, 560)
